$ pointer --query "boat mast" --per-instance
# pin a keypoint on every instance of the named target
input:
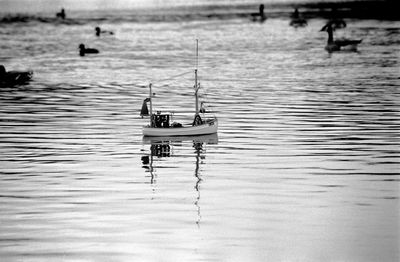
(196, 87)
(151, 106)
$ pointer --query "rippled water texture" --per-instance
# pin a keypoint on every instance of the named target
(305, 166)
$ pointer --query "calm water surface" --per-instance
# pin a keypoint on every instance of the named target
(305, 166)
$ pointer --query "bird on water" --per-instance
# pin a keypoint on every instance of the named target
(12, 78)
(83, 50)
(99, 31)
(339, 44)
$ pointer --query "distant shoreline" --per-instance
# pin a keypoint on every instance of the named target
(354, 9)
(359, 9)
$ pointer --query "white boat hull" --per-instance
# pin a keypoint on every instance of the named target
(210, 127)
(209, 139)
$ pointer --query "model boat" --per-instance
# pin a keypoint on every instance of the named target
(160, 123)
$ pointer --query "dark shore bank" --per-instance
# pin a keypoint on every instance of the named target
(361, 9)
(355, 9)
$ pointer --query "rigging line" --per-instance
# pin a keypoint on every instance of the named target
(138, 85)
(206, 102)
(174, 76)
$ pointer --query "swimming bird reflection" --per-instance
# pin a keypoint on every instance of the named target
(162, 147)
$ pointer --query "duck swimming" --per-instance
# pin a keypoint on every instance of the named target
(12, 78)
(61, 14)
(338, 45)
(83, 50)
(260, 15)
(99, 31)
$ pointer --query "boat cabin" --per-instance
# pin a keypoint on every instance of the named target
(161, 120)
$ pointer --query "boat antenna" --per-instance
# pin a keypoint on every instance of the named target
(197, 54)
(196, 86)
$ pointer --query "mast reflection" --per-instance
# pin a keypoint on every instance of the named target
(162, 147)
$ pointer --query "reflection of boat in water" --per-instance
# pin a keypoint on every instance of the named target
(160, 122)
(162, 147)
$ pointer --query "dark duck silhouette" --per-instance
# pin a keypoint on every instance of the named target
(83, 51)
(99, 31)
(297, 20)
(340, 44)
(260, 15)
(61, 14)
(12, 78)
